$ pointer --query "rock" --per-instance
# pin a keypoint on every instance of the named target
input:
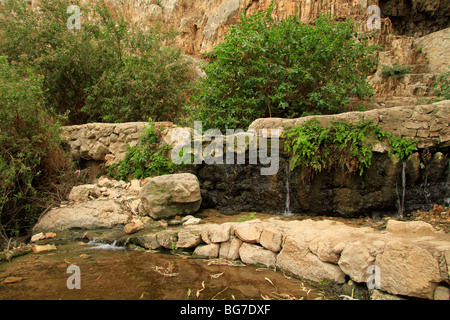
(380, 295)
(186, 218)
(105, 182)
(441, 293)
(37, 236)
(167, 239)
(50, 235)
(295, 257)
(414, 227)
(93, 214)
(148, 241)
(83, 192)
(248, 233)
(220, 233)
(255, 254)
(189, 238)
(207, 250)
(324, 250)
(44, 248)
(271, 239)
(408, 269)
(12, 279)
(192, 221)
(170, 195)
(134, 226)
(230, 249)
(134, 187)
(354, 261)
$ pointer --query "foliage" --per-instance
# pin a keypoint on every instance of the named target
(147, 159)
(316, 148)
(441, 87)
(31, 156)
(266, 68)
(109, 70)
(395, 71)
(244, 217)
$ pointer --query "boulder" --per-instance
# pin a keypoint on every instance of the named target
(407, 269)
(93, 214)
(170, 195)
(414, 227)
(207, 250)
(354, 261)
(83, 192)
(295, 257)
(189, 238)
(255, 254)
(248, 233)
(230, 249)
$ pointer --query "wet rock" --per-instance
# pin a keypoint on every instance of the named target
(170, 195)
(134, 226)
(167, 239)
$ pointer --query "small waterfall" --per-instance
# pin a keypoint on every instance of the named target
(287, 208)
(447, 187)
(94, 244)
(401, 200)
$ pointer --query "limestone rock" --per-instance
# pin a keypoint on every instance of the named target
(271, 239)
(230, 249)
(414, 227)
(170, 195)
(44, 248)
(167, 239)
(220, 233)
(134, 226)
(189, 238)
(255, 254)
(93, 214)
(248, 233)
(82, 192)
(207, 250)
(354, 261)
(408, 269)
(295, 257)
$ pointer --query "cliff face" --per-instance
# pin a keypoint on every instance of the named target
(203, 23)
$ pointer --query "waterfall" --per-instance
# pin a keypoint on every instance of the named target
(401, 201)
(447, 187)
(287, 208)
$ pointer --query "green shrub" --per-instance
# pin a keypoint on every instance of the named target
(266, 68)
(441, 87)
(147, 159)
(31, 156)
(395, 71)
(109, 70)
(342, 145)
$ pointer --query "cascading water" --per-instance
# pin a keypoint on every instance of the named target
(287, 209)
(401, 200)
(447, 186)
(94, 244)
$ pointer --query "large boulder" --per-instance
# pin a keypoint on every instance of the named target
(170, 195)
(93, 214)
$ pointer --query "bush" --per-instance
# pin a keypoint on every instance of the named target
(31, 157)
(342, 145)
(147, 159)
(395, 71)
(441, 87)
(282, 69)
(109, 70)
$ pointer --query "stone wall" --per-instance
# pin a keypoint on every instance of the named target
(427, 123)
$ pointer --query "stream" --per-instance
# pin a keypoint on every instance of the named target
(111, 272)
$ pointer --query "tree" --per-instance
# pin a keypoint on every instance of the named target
(266, 68)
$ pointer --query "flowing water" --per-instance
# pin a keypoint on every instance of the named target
(287, 210)
(401, 199)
